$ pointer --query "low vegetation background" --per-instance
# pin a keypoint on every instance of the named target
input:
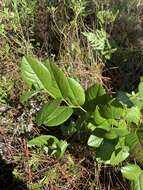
(95, 48)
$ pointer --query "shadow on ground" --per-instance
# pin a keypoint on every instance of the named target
(7, 179)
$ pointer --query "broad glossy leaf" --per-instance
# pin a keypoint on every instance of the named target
(54, 89)
(100, 131)
(97, 117)
(112, 110)
(60, 79)
(35, 73)
(78, 97)
(106, 149)
(110, 135)
(59, 116)
(53, 114)
(94, 92)
(116, 132)
(46, 110)
(119, 155)
(91, 127)
(131, 172)
(66, 87)
(61, 148)
(94, 141)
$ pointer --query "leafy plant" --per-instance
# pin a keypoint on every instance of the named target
(50, 143)
(110, 125)
(100, 43)
(106, 17)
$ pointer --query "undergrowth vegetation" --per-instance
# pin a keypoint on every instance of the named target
(71, 94)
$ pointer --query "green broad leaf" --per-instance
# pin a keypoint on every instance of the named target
(27, 95)
(35, 73)
(54, 89)
(138, 184)
(42, 140)
(66, 87)
(112, 110)
(91, 127)
(59, 79)
(97, 117)
(100, 131)
(61, 148)
(78, 97)
(52, 114)
(110, 135)
(119, 155)
(59, 116)
(133, 115)
(131, 172)
(98, 101)
(94, 141)
(106, 149)
(135, 142)
(50, 107)
(116, 132)
(121, 132)
(113, 122)
(94, 92)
